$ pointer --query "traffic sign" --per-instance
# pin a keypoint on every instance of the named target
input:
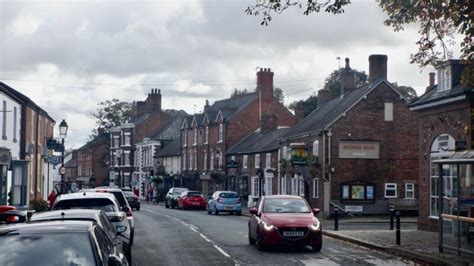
(62, 170)
(53, 159)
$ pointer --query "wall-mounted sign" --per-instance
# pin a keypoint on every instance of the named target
(349, 208)
(5, 156)
(299, 155)
(359, 149)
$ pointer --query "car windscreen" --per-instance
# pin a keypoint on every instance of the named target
(47, 249)
(120, 197)
(103, 204)
(228, 195)
(178, 192)
(285, 206)
(194, 193)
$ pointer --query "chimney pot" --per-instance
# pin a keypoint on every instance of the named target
(377, 67)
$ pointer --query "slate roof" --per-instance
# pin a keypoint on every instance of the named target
(231, 106)
(71, 163)
(97, 140)
(172, 148)
(326, 114)
(258, 142)
(171, 128)
(23, 98)
(433, 95)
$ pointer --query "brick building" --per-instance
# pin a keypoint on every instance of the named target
(92, 161)
(206, 137)
(361, 147)
(253, 161)
(445, 125)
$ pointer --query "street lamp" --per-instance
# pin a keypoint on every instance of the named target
(62, 132)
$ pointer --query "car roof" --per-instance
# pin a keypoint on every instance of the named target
(68, 214)
(107, 189)
(86, 194)
(68, 226)
(225, 191)
(179, 188)
(282, 197)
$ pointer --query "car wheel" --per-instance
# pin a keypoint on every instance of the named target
(173, 205)
(138, 208)
(238, 213)
(258, 242)
(208, 210)
(317, 247)
(166, 204)
(216, 212)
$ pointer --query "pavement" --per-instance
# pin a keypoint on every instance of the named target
(370, 232)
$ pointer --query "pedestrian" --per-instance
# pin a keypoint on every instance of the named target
(150, 194)
(53, 195)
(155, 196)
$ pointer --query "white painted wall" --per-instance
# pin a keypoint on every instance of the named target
(9, 143)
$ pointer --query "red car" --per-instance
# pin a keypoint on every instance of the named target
(191, 200)
(284, 220)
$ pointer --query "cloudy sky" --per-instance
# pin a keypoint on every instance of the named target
(70, 55)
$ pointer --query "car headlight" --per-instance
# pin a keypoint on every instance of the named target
(267, 226)
(315, 226)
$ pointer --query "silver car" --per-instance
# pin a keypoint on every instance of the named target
(101, 201)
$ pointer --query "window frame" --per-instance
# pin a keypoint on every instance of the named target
(412, 190)
(394, 188)
(220, 133)
(350, 192)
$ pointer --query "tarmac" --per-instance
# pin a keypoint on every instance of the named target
(417, 245)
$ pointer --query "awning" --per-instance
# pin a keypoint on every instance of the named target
(460, 157)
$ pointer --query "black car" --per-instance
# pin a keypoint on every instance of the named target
(133, 200)
(57, 243)
(172, 196)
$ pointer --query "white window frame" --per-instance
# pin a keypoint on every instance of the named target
(195, 136)
(220, 135)
(284, 150)
(206, 137)
(185, 138)
(315, 188)
(301, 184)
(195, 159)
(255, 186)
(283, 185)
(126, 139)
(390, 186)
(245, 160)
(388, 112)
(211, 163)
(126, 159)
(268, 160)
(257, 161)
(316, 147)
(294, 186)
(184, 160)
(204, 167)
(409, 190)
(268, 185)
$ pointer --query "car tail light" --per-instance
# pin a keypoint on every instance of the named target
(238, 200)
(129, 213)
(101, 190)
(219, 200)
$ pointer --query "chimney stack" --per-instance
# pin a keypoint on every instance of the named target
(265, 84)
(268, 121)
(206, 106)
(347, 79)
(432, 82)
(299, 111)
(324, 96)
(377, 67)
(153, 101)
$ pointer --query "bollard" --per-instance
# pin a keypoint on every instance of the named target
(336, 219)
(397, 215)
(392, 214)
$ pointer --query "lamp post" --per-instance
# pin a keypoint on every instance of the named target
(62, 132)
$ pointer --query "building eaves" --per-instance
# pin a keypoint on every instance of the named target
(433, 96)
(258, 142)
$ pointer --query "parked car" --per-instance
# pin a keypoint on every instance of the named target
(106, 202)
(9, 214)
(133, 200)
(57, 243)
(191, 200)
(172, 196)
(284, 220)
(96, 216)
(118, 193)
(224, 201)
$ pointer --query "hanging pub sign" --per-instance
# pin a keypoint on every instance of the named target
(232, 164)
(4, 156)
(299, 154)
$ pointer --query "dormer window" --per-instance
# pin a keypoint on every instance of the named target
(444, 78)
(206, 137)
(195, 138)
(220, 136)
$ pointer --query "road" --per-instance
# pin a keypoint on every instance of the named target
(175, 237)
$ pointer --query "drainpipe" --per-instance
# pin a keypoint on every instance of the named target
(328, 185)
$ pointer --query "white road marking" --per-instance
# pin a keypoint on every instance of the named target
(193, 229)
(222, 251)
(205, 238)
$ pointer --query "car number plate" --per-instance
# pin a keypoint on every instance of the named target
(229, 208)
(195, 203)
(293, 233)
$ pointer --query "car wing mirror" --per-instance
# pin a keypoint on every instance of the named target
(125, 209)
(253, 211)
(316, 211)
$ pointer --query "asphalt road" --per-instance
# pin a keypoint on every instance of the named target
(175, 237)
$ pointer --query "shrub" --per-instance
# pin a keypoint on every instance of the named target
(39, 205)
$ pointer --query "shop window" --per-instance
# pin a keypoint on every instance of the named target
(409, 191)
(390, 190)
(357, 192)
